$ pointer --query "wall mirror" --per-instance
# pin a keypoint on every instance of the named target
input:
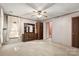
(29, 27)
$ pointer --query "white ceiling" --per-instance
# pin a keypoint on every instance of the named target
(26, 9)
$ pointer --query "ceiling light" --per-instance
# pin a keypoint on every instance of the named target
(39, 16)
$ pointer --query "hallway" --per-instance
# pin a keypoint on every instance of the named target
(37, 48)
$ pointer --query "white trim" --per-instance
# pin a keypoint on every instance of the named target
(0, 45)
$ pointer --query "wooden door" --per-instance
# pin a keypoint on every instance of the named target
(75, 32)
(39, 30)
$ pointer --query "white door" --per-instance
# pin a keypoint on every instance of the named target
(1, 25)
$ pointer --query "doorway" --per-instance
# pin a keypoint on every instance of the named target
(49, 29)
(75, 32)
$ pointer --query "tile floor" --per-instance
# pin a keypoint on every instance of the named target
(37, 48)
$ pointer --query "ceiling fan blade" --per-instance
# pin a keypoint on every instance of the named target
(31, 5)
(48, 6)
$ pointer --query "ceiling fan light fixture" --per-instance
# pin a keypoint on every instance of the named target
(39, 16)
(40, 13)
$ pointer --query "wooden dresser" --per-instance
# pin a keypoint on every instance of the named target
(35, 34)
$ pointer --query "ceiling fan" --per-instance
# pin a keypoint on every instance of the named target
(39, 13)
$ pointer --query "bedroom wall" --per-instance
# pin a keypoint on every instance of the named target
(16, 29)
(62, 29)
(13, 26)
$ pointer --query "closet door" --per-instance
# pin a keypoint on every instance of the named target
(39, 30)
